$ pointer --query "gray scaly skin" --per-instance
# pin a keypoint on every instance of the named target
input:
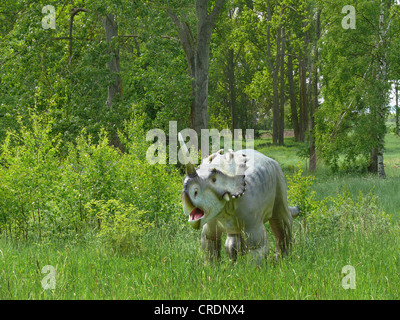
(236, 193)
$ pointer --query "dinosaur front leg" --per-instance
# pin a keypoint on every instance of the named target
(257, 243)
(211, 241)
(234, 244)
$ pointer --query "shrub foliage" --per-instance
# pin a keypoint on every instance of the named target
(335, 215)
(48, 193)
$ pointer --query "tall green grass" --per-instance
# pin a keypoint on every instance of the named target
(171, 266)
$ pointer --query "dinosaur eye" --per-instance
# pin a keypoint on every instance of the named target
(213, 179)
(195, 193)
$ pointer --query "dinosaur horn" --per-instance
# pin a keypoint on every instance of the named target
(190, 169)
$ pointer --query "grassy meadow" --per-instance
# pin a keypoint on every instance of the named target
(168, 263)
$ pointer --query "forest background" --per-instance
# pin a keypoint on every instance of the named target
(81, 82)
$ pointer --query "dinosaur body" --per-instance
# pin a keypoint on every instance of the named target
(236, 193)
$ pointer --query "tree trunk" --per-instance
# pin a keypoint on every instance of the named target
(380, 138)
(197, 55)
(111, 29)
(373, 161)
(381, 166)
(200, 105)
(274, 70)
(376, 164)
(275, 106)
(314, 104)
(232, 90)
(304, 97)
(115, 89)
(292, 95)
(381, 126)
(282, 90)
(303, 100)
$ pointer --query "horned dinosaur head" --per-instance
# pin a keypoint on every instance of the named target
(219, 179)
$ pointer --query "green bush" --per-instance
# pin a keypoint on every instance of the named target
(335, 215)
(28, 176)
(44, 195)
(300, 193)
(155, 189)
(120, 225)
(342, 214)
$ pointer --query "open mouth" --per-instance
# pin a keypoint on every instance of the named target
(196, 214)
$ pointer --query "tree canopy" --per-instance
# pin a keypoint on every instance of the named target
(324, 69)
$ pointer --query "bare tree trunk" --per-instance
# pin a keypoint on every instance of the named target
(232, 90)
(111, 30)
(376, 164)
(292, 95)
(281, 120)
(274, 69)
(200, 106)
(197, 55)
(304, 96)
(314, 104)
(382, 108)
(381, 166)
(275, 106)
(381, 142)
(303, 99)
(373, 160)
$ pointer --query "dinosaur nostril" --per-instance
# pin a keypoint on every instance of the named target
(195, 193)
